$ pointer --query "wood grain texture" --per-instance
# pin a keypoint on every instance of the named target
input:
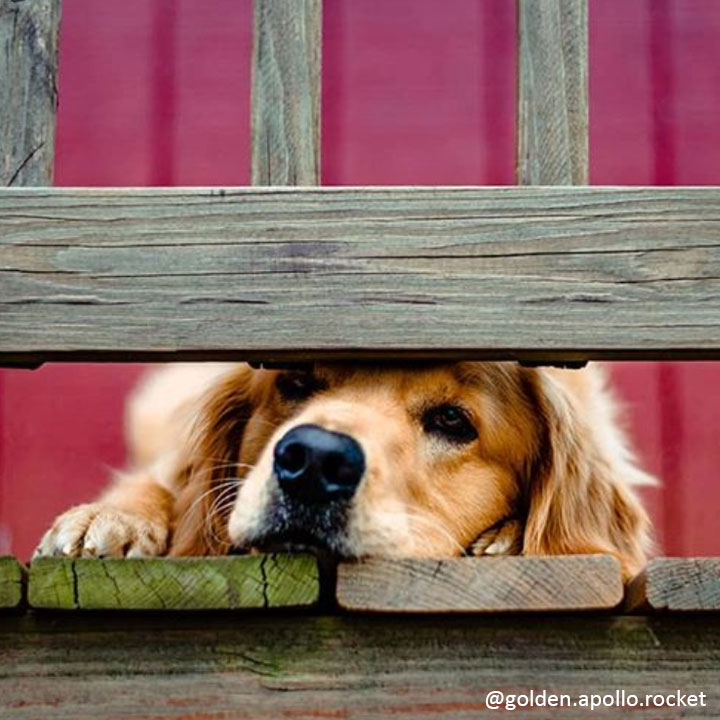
(682, 584)
(225, 583)
(28, 90)
(12, 578)
(502, 584)
(530, 273)
(215, 666)
(552, 123)
(286, 70)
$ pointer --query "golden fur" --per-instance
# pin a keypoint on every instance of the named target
(548, 473)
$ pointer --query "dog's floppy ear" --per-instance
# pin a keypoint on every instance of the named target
(579, 493)
(212, 469)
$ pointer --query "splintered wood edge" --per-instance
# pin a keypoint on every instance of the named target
(220, 583)
(488, 584)
(676, 584)
(12, 580)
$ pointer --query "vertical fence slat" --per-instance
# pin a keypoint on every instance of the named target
(552, 128)
(28, 90)
(286, 92)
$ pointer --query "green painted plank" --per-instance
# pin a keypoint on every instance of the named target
(228, 583)
(11, 582)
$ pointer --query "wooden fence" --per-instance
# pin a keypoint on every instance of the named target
(541, 273)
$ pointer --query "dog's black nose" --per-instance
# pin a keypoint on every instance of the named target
(318, 465)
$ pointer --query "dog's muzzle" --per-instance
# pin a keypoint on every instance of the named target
(318, 473)
(316, 466)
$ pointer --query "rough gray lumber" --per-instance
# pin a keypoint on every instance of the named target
(552, 122)
(12, 578)
(217, 666)
(221, 583)
(28, 90)
(286, 70)
(689, 584)
(491, 584)
(517, 272)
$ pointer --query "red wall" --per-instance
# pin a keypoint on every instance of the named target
(158, 94)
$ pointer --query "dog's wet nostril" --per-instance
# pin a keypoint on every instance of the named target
(292, 458)
(336, 469)
(318, 465)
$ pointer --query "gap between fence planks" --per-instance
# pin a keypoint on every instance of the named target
(502, 584)
(12, 581)
(286, 81)
(219, 583)
(679, 584)
(552, 123)
(535, 273)
(28, 90)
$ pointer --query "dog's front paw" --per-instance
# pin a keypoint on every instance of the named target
(505, 538)
(97, 530)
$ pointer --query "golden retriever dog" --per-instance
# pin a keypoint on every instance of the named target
(424, 460)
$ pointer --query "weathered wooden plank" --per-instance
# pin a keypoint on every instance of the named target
(286, 92)
(227, 583)
(501, 584)
(552, 120)
(28, 90)
(530, 273)
(689, 584)
(216, 666)
(11, 583)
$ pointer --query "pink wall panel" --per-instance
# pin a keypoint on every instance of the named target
(211, 125)
(415, 95)
(158, 93)
(61, 434)
(105, 117)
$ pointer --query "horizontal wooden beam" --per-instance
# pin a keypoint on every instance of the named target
(530, 273)
(215, 665)
(682, 584)
(501, 584)
(221, 583)
(12, 578)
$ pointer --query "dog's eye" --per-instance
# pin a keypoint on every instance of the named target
(450, 421)
(298, 386)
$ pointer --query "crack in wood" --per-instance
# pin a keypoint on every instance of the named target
(22, 165)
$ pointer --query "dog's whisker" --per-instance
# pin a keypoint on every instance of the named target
(219, 507)
(232, 483)
(220, 512)
(226, 498)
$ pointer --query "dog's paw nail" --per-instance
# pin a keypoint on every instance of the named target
(97, 531)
